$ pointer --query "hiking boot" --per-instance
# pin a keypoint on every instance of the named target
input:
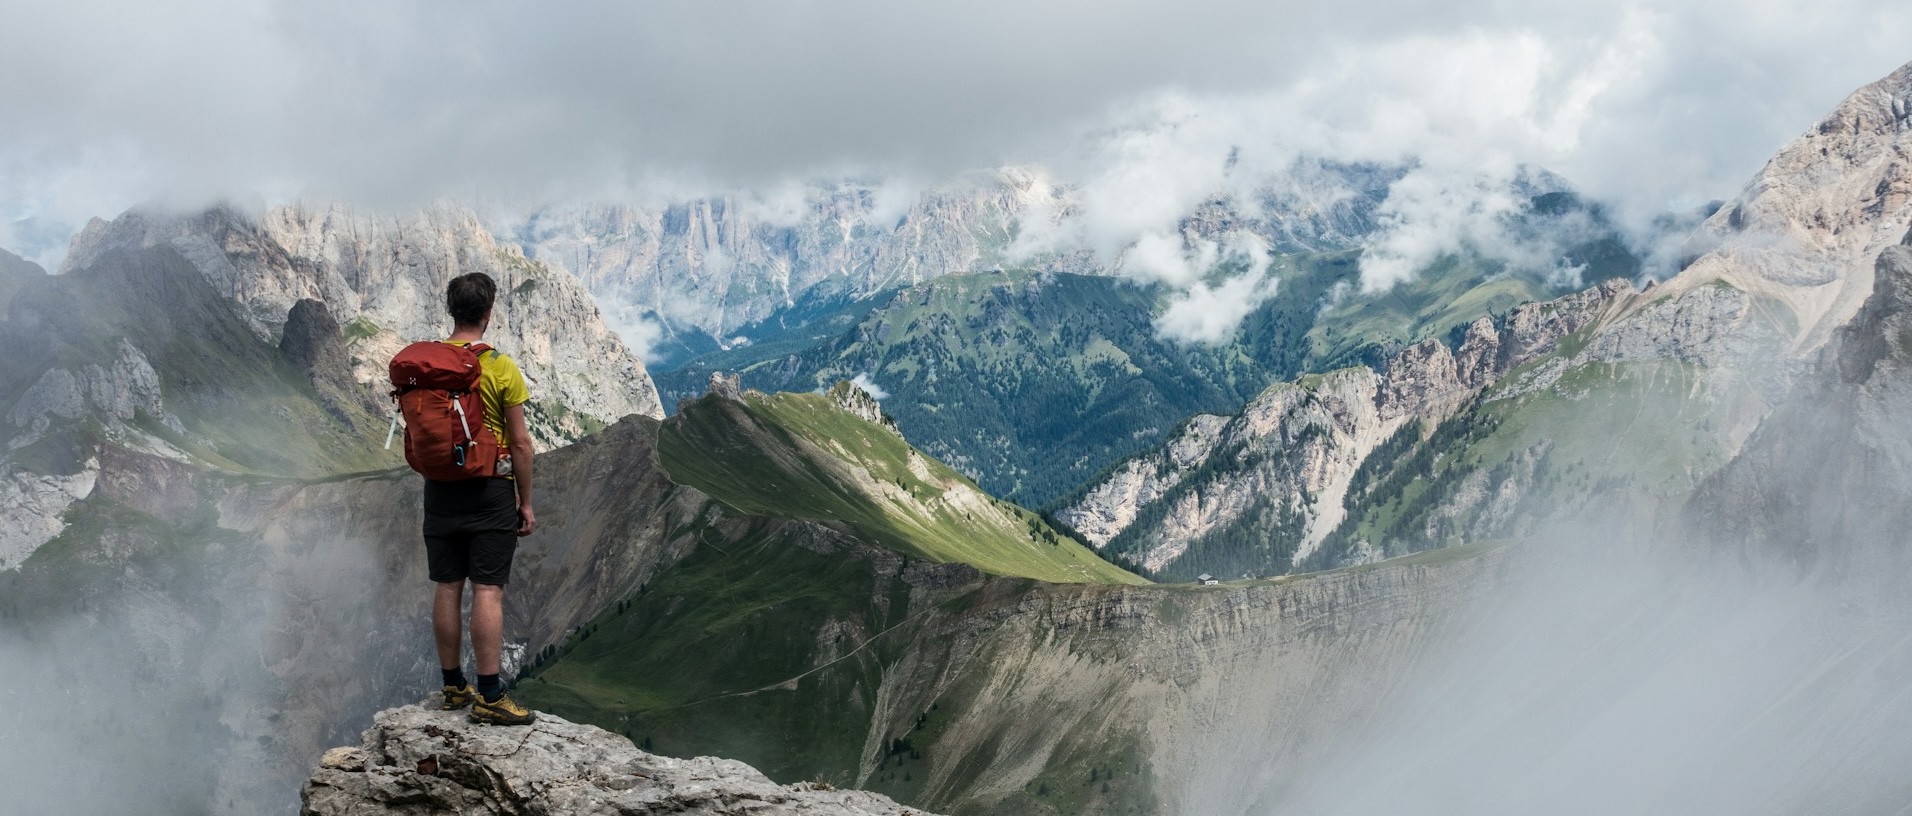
(457, 697)
(502, 711)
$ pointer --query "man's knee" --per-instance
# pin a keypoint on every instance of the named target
(489, 592)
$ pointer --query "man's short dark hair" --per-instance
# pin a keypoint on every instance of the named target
(469, 297)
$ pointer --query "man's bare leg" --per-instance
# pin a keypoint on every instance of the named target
(447, 626)
(487, 626)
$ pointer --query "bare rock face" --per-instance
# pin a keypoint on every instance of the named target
(311, 340)
(1806, 229)
(1110, 506)
(860, 403)
(419, 760)
(1297, 445)
(719, 264)
(727, 386)
(382, 279)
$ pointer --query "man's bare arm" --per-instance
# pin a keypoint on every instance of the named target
(521, 466)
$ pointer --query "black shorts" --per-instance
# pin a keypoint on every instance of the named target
(471, 530)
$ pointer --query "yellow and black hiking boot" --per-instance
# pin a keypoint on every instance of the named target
(501, 711)
(457, 697)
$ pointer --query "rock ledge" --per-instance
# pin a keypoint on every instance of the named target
(419, 760)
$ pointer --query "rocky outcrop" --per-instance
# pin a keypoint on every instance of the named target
(33, 508)
(113, 390)
(1832, 465)
(311, 340)
(417, 759)
(1804, 232)
(1290, 454)
(1110, 505)
(382, 280)
(859, 403)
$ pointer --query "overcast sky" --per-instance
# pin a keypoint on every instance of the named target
(109, 104)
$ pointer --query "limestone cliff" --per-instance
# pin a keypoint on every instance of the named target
(382, 279)
(1832, 465)
(715, 265)
(1807, 227)
(1771, 276)
(1284, 464)
(417, 759)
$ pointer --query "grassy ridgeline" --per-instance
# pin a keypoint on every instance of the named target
(798, 456)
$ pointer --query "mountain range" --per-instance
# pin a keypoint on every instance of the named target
(1647, 530)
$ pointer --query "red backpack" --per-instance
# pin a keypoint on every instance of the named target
(436, 387)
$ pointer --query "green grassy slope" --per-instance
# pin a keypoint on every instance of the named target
(799, 456)
(719, 655)
(789, 658)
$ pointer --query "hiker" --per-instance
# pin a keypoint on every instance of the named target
(460, 399)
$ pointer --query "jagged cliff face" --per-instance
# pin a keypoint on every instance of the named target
(1806, 229)
(717, 265)
(382, 280)
(1283, 467)
(261, 346)
(1832, 465)
(1720, 344)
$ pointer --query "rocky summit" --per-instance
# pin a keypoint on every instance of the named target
(419, 760)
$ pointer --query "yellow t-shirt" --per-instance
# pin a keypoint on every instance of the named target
(501, 385)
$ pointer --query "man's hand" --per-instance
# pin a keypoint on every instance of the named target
(527, 520)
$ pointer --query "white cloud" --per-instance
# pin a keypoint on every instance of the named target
(1165, 106)
(640, 332)
(1210, 313)
(869, 386)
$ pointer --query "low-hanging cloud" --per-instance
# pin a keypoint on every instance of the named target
(869, 386)
(1143, 110)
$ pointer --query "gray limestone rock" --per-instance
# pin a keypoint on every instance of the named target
(726, 386)
(860, 403)
(382, 279)
(1299, 444)
(311, 339)
(420, 760)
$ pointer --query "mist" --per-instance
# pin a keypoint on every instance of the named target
(1608, 678)
(1742, 647)
(1146, 109)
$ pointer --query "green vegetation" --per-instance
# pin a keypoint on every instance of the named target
(799, 456)
(1601, 428)
(1034, 383)
(361, 328)
(719, 656)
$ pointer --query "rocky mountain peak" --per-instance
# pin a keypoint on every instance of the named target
(381, 279)
(862, 404)
(417, 759)
(1806, 229)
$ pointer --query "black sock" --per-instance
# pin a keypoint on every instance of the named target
(454, 677)
(490, 687)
